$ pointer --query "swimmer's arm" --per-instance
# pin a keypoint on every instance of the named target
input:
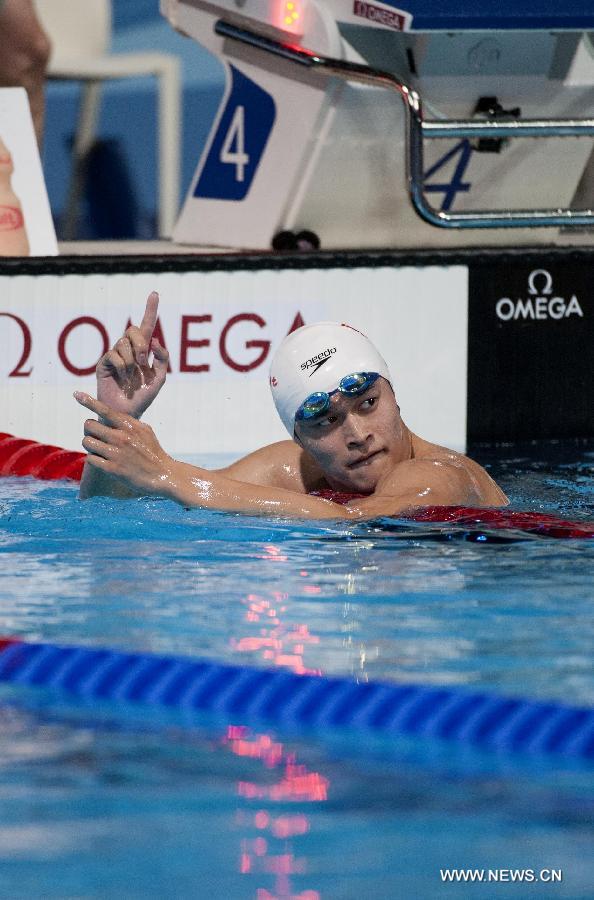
(95, 483)
(276, 465)
(428, 482)
(192, 486)
(126, 452)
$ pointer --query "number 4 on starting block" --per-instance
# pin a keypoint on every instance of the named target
(239, 141)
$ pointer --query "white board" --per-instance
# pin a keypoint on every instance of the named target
(221, 329)
(26, 225)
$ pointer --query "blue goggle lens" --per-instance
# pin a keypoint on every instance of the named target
(314, 405)
(357, 382)
(351, 385)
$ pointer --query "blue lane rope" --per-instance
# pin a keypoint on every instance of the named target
(284, 699)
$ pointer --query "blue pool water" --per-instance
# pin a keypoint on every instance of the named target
(109, 802)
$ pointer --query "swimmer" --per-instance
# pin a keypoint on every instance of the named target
(334, 394)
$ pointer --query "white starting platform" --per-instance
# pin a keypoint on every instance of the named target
(417, 124)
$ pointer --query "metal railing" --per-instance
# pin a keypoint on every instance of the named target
(417, 130)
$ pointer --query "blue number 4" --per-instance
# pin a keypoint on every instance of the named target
(456, 185)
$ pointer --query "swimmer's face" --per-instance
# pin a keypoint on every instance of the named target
(358, 440)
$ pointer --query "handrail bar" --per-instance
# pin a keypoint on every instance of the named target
(517, 128)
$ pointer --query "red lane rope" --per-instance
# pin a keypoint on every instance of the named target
(8, 642)
(532, 522)
(19, 456)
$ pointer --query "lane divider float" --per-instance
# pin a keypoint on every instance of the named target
(536, 523)
(19, 456)
(474, 718)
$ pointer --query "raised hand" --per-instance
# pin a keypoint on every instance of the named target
(125, 380)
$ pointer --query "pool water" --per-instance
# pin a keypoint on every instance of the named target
(128, 803)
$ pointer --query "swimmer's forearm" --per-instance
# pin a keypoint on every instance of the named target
(193, 486)
(96, 483)
(122, 447)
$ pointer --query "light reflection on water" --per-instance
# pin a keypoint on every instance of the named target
(97, 807)
(236, 812)
(360, 601)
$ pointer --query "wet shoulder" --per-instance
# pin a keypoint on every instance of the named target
(282, 464)
(291, 467)
(488, 492)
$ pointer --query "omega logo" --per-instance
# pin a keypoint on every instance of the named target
(198, 347)
(540, 304)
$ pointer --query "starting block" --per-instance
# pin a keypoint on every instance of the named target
(376, 125)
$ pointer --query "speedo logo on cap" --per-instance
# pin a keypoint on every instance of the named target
(315, 362)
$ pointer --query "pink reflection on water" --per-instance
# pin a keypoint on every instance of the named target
(272, 554)
(268, 850)
(263, 894)
(296, 783)
(280, 644)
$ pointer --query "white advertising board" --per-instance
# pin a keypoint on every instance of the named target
(221, 329)
(26, 224)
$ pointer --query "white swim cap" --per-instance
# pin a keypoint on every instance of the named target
(314, 358)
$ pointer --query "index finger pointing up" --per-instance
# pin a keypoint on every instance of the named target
(149, 320)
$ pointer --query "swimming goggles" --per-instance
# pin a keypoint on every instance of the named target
(351, 385)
